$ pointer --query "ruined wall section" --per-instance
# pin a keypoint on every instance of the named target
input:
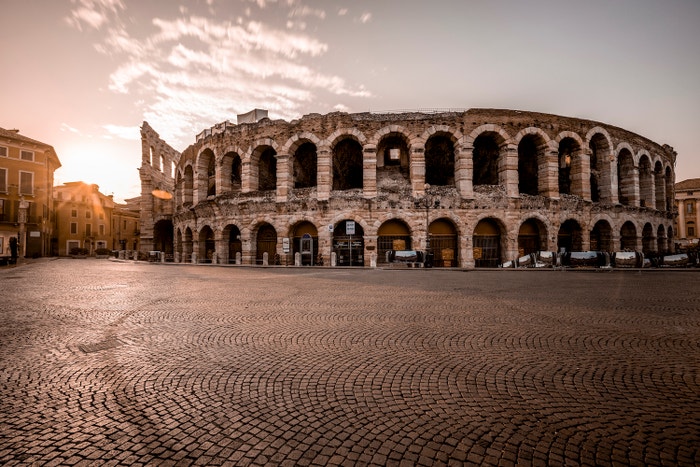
(386, 194)
(158, 163)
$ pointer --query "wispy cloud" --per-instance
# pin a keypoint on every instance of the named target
(193, 71)
(124, 132)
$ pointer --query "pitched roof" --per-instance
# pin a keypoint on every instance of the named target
(14, 134)
(690, 184)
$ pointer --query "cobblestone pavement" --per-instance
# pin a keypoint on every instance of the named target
(123, 363)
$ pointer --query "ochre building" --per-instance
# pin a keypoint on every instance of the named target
(27, 169)
(475, 188)
(688, 206)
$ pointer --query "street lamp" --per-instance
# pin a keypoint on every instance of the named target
(427, 202)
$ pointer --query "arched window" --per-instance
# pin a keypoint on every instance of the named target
(305, 166)
(439, 160)
(347, 165)
(485, 159)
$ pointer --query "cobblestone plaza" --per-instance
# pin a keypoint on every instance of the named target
(133, 363)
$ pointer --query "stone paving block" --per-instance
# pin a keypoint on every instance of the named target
(308, 366)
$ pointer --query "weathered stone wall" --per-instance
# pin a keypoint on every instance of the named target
(572, 180)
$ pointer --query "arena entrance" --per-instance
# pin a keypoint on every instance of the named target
(207, 246)
(235, 246)
(601, 237)
(570, 237)
(530, 237)
(349, 244)
(392, 235)
(163, 236)
(487, 244)
(305, 241)
(266, 243)
(444, 244)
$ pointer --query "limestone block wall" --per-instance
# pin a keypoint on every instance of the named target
(504, 182)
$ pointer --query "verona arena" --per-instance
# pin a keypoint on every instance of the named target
(475, 188)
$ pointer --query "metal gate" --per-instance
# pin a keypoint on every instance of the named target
(487, 251)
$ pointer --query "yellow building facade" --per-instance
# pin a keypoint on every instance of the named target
(688, 206)
(27, 169)
(83, 219)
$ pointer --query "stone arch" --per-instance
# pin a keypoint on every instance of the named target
(298, 233)
(393, 155)
(570, 236)
(263, 164)
(648, 239)
(392, 234)
(532, 236)
(265, 242)
(188, 185)
(342, 133)
(205, 174)
(488, 144)
(533, 148)
(349, 249)
(573, 164)
(444, 242)
(628, 236)
(304, 164)
(207, 245)
(233, 238)
(626, 177)
(489, 242)
(601, 237)
(347, 157)
(601, 157)
(441, 148)
(231, 170)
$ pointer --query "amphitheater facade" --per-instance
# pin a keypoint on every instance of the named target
(475, 188)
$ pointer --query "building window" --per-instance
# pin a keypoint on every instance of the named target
(2, 212)
(73, 228)
(3, 180)
(88, 230)
(74, 213)
(102, 229)
(27, 156)
(690, 229)
(3, 151)
(26, 183)
(88, 214)
(689, 207)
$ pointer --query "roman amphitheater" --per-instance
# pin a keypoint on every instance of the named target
(473, 187)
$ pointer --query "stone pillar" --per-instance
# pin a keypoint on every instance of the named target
(221, 247)
(508, 169)
(548, 174)
(466, 251)
(369, 171)
(249, 181)
(265, 259)
(581, 174)
(464, 167)
(417, 170)
(285, 179)
(324, 175)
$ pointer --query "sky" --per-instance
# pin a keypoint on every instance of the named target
(82, 75)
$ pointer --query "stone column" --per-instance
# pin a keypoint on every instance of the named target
(369, 171)
(285, 178)
(581, 174)
(417, 170)
(548, 174)
(249, 181)
(324, 174)
(508, 169)
(221, 246)
(464, 167)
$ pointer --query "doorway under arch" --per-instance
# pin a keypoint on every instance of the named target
(444, 243)
(570, 237)
(266, 242)
(304, 238)
(392, 235)
(530, 237)
(487, 244)
(235, 245)
(349, 249)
